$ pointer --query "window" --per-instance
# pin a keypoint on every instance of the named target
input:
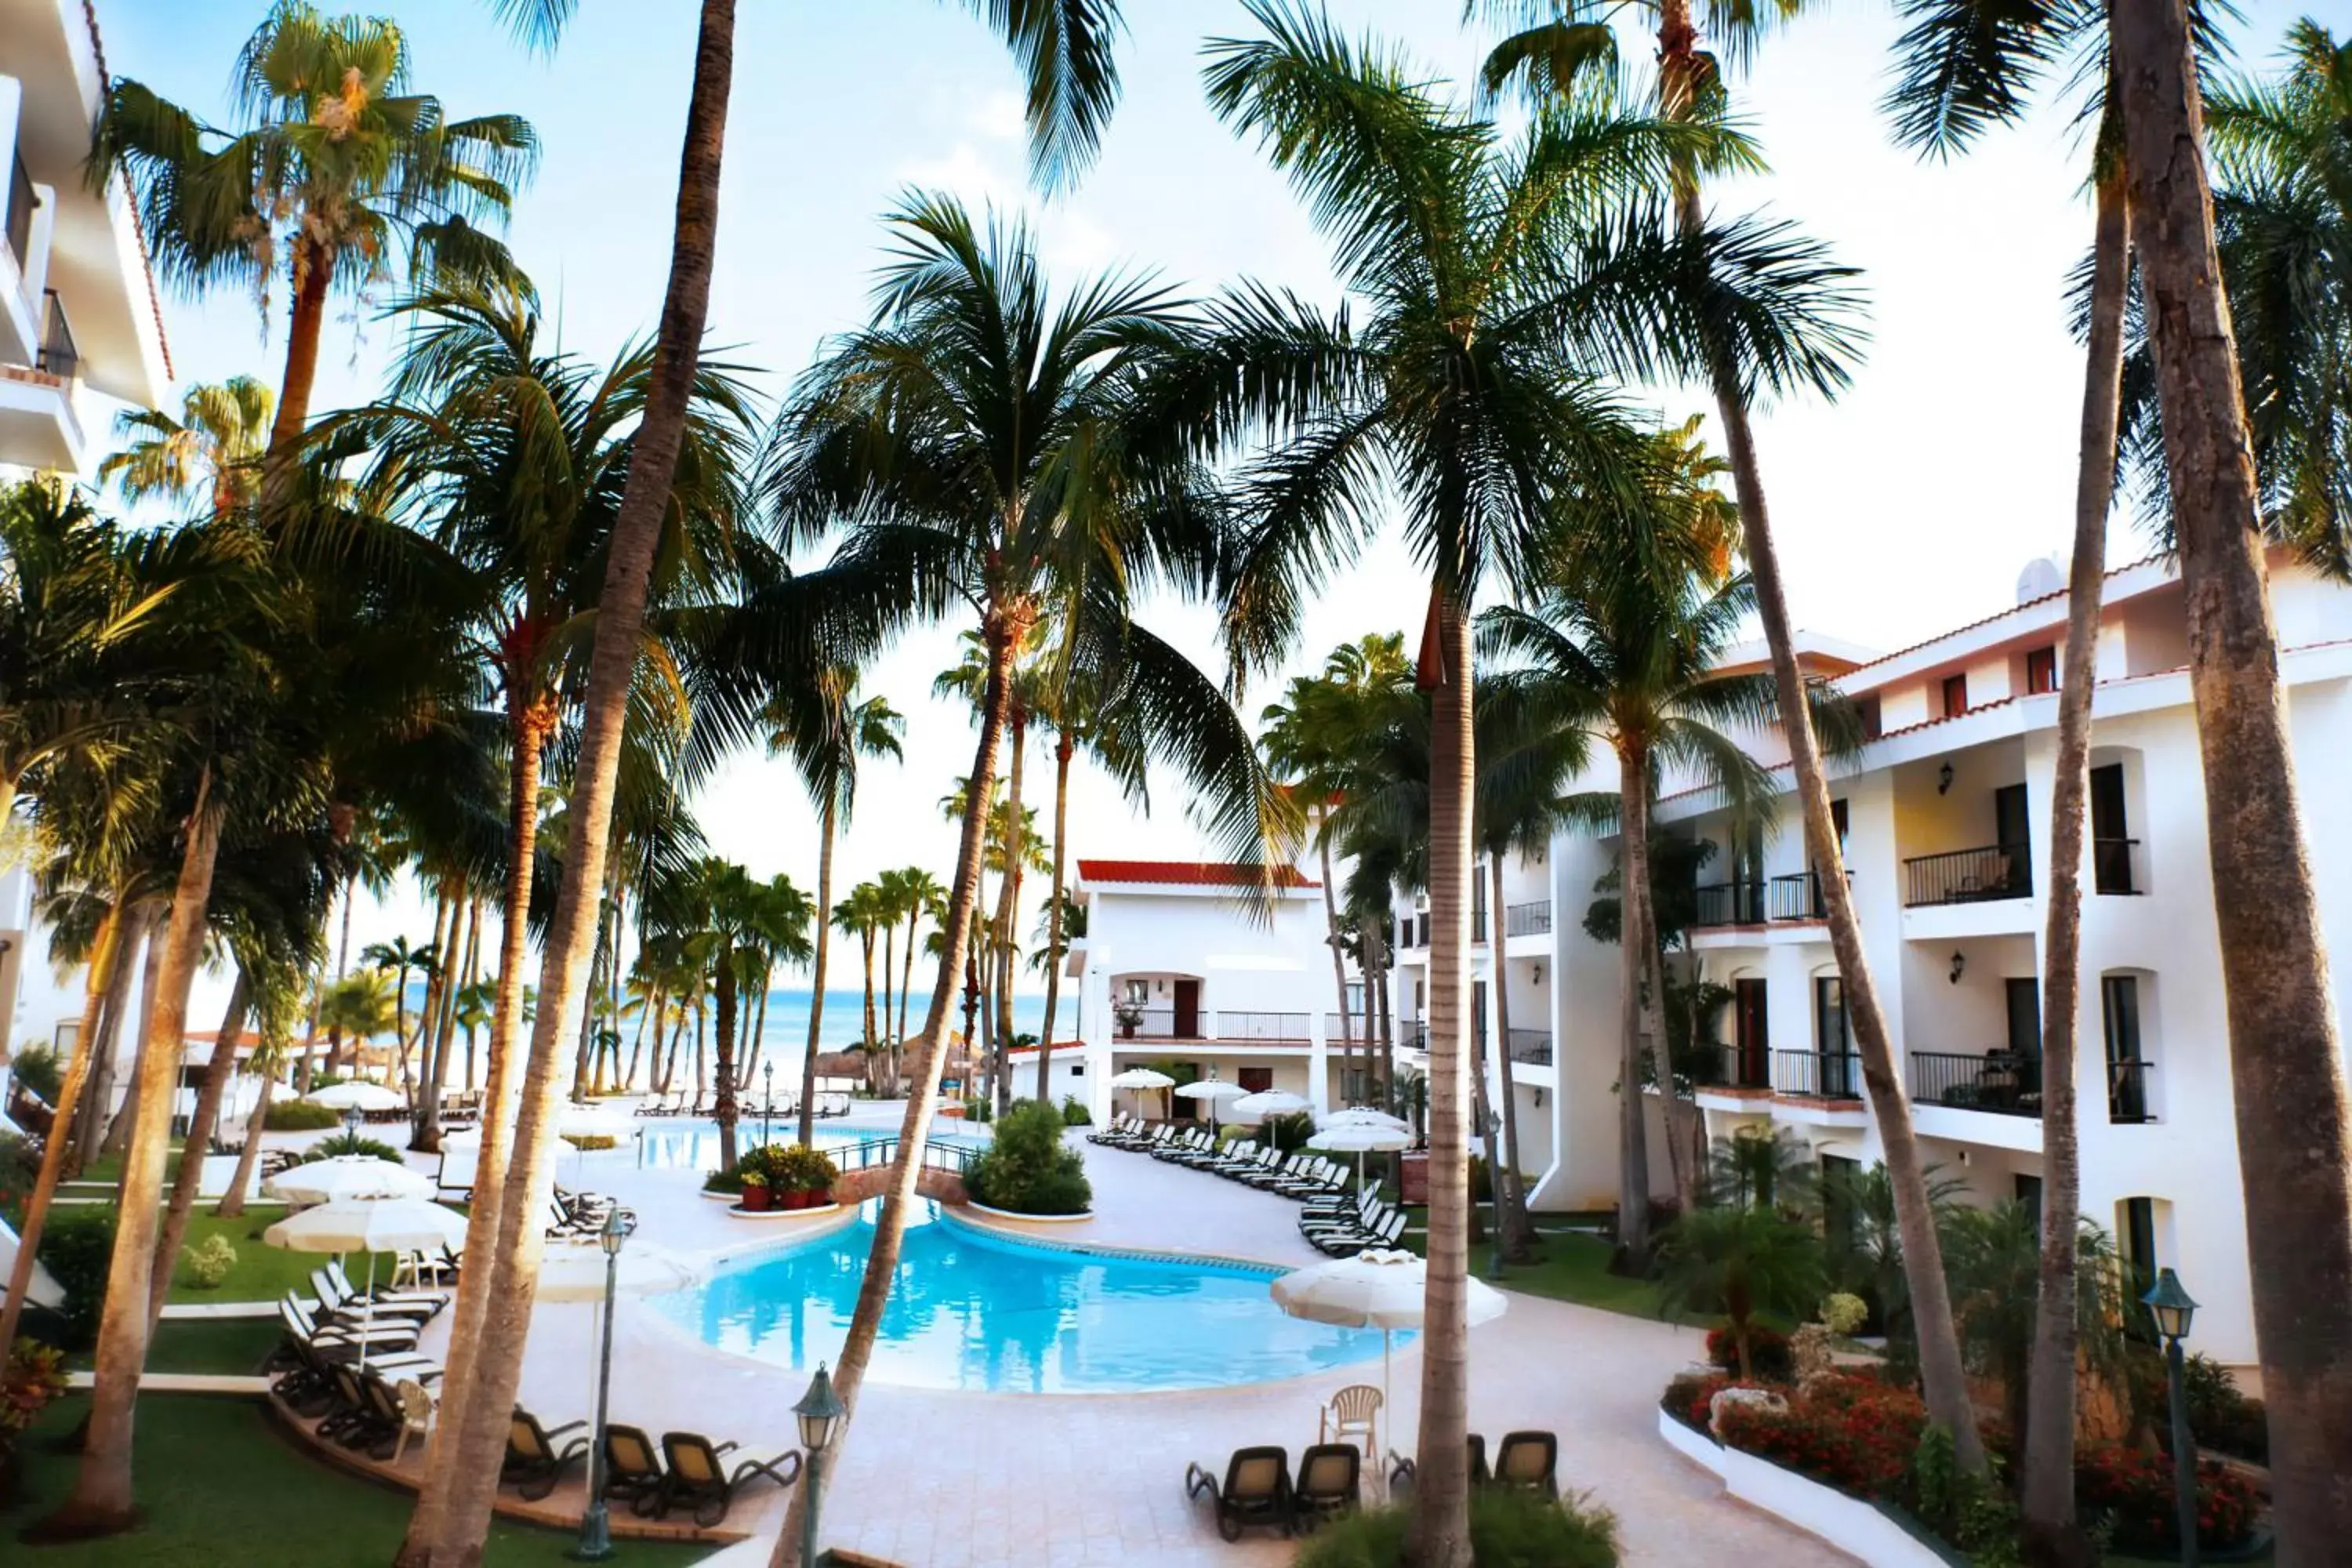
(2024, 1004)
(1837, 1204)
(1077, 1069)
(1871, 726)
(1956, 695)
(2111, 839)
(1257, 1081)
(2028, 1191)
(1838, 820)
(1834, 1057)
(2127, 1069)
(2136, 1229)
(2041, 670)
(1139, 993)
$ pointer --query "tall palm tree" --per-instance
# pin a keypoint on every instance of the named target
(2287, 1073)
(1083, 709)
(862, 915)
(1710, 343)
(729, 923)
(1496, 277)
(213, 448)
(358, 1008)
(825, 731)
(920, 898)
(399, 959)
(982, 442)
(335, 173)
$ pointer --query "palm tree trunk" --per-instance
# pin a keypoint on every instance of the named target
(1338, 960)
(1008, 911)
(182, 1201)
(1440, 1517)
(2049, 1429)
(1517, 1236)
(829, 824)
(106, 949)
(650, 1015)
(232, 1203)
(701, 1057)
(866, 944)
(759, 1019)
(311, 274)
(438, 980)
(2286, 1062)
(104, 1129)
(465, 917)
(636, 527)
(1064, 749)
(955, 937)
(723, 1044)
(1678, 1117)
(529, 723)
(906, 978)
(101, 1502)
(1632, 1115)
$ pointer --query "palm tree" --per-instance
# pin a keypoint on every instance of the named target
(729, 923)
(213, 448)
(825, 734)
(1494, 276)
(861, 915)
(1048, 498)
(358, 1008)
(336, 174)
(397, 958)
(1741, 1261)
(1707, 341)
(921, 898)
(2286, 1061)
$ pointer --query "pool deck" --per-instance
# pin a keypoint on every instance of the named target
(930, 1478)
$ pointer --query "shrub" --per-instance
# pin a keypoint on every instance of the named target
(1288, 1132)
(723, 1181)
(590, 1142)
(786, 1167)
(299, 1116)
(2220, 1415)
(1768, 1353)
(1507, 1530)
(1075, 1113)
(33, 1375)
(1967, 1511)
(2134, 1489)
(1690, 1397)
(77, 1246)
(347, 1143)
(38, 1069)
(208, 1263)
(1849, 1431)
(1028, 1169)
(1843, 1312)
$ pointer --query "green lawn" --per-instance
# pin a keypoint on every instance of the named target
(1573, 1267)
(221, 1489)
(235, 1346)
(263, 1272)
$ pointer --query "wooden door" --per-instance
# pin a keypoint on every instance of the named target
(1188, 1010)
(1752, 1037)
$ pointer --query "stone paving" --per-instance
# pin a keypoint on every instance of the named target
(941, 1479)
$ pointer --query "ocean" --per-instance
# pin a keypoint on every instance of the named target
(844, 1014)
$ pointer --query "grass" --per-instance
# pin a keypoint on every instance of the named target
(235, 1346)
(1571, 1266)
(263, 1272)
(221, 1489)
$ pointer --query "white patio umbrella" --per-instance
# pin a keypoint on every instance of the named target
(1381, 1290)
(1142, 1078)
(575, 1271)
(354, 1225)
(1269, 1103)
(1365, 1115)
(1212, 1091)
(1360, 1140)
(347, 1176)
(356, 1095)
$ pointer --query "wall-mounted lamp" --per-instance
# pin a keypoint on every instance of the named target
(1960, 966)
(1539, 1099)
(1944, 779)
(1537, 970)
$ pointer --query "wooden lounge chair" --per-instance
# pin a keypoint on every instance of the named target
(1530, 1461)
(633, 1468)
(537, 1457)
(1330, 1483)
(698, 1477)
(1257, 1491)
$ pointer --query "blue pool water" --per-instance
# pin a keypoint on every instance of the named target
(688, 1145)
(971, 1312)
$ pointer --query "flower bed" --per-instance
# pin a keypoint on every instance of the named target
(2135, 1488)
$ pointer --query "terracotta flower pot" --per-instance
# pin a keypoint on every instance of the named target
(799, 1198)
(755, 1199)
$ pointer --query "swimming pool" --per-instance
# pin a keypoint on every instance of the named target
(689, 1145)
(970, 1311)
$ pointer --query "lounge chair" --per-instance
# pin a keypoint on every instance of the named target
(1402, 1470)
(1257, 1491)
(1293, 1171)
(1330, 1483)
(338, 1302)
(389, 1337)
(384, 1295)
(537, 1457)
(1385, 1234)
(633, 1468)
(698, 1477)
(306, 1369)
(1350, 1221)
(1177, 1150)
(1530, 1461)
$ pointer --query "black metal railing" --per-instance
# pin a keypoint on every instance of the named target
(1798, 896)
(1412, 932)
(21, 202)
(60, 357)
(1728, 904)
(1287, 1027)
(1817, 1075)
(2000, 1081)
(1528, 920)
(1531, 1046)
(1412, 1035)
(2114, 865)
(873, 1152)
(1478, 924)
(1150, 1022)
(1729, 1066)
(1969, 875)
(2127, 1091)
(1359, 1026)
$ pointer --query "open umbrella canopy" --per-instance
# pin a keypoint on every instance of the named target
(1364, 1139)
(1382, 1289)
(1211, 1089)
(1268, 1102)
(355, 1096)
(1365, 1115)
(347, 1176)
(392, 1224)
(1142, 1078)
(575, 1272)
(592, 1120)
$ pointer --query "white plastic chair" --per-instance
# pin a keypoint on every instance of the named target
(418, 1409)
(1353, 1415)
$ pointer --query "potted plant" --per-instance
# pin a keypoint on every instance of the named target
(755, 1194)
(1130, 1018)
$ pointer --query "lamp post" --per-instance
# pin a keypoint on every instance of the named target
(352, 1119)
(820, 1412)
(1493, 1125)
(2171, 1308)
(767, 1105)
(595, 1525)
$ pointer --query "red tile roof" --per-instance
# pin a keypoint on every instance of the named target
(1190, 873)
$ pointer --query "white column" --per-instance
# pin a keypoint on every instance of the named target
(1319, 1061)
(1095, 985)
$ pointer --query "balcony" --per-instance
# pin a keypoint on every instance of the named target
(1531, 1046)
(1728, 904)
(1528, 920)
(1968, 876)
(1818, 1075)
(2127, 1099)
(2116, 866)
(1999, 1082)
(1358, 1026)
(1276, 1028)
(1798, 896)
(1729, 1068)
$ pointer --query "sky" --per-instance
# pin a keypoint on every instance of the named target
(1906, 507)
